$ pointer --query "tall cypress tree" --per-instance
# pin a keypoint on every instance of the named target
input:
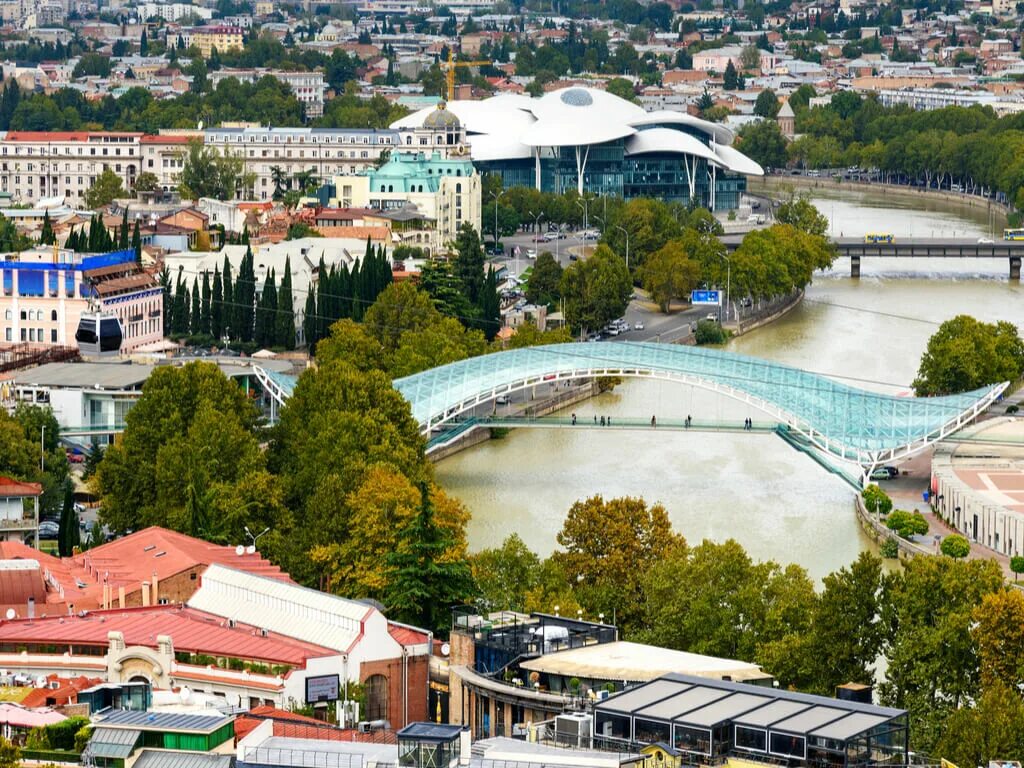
(228, 323)
(357, 291)
(216, 305)
(490, 306)
(195, 320)
(122, 241)
(46, 236)
(310, 325)
(137, 242)
(284, 319)
(322, 306)
(204, 308)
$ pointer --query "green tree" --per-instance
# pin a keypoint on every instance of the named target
(994, 726)
(967, 354)
(1017, 566)
(927, 612)
(669, 273)
(542, 286)
(876, 500)
(428, 579)
(284, 319)
(469, 262)
(907, 524)
(106, 188)
(505, 575)
(999, 633)
(10, 755)
(731, 79)
(596, 290)
(764, 143)
(69, 534)
(146, 182)
(955, 546)
(621, 87)
(750, 58)
(608, 548)
(46, 236)
(207, 172)
(767, 104)
(801, 213)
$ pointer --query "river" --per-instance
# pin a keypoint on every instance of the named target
(776, 502)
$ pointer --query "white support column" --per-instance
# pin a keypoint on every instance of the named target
(536, 167)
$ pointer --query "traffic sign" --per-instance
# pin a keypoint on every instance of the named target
(706, 297)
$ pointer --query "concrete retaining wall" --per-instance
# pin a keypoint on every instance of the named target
(876, 529)
(746, 326)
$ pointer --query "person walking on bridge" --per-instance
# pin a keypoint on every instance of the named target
(654, 422)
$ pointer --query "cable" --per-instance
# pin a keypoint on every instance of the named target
(872, 311)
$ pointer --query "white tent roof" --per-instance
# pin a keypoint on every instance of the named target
(737, 162)
(667, 140)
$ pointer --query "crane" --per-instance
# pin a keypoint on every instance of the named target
(449, 68)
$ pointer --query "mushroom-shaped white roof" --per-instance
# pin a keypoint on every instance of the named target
(721, 134)
(737, 162)
(563, 133)
(484, 147)
(578, 105)
(667, 140)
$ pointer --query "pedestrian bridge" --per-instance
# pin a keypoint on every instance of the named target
(853, 425)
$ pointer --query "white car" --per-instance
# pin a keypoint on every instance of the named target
(531, 254)
(985, 240)
(550, 236)
(638, 326)
(712, 317)
(612, 330)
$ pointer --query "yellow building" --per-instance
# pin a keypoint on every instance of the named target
(661, 755)
(223, 38)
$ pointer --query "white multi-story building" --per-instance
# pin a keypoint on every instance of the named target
(163, 155)
(308, 87)
(35, 164)
(173, 11)
(324, 152)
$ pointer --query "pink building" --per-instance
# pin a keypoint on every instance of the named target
(43, 294)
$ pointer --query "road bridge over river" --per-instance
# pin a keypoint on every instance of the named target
(855, 248)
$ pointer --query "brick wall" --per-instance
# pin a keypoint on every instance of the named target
(404, 706)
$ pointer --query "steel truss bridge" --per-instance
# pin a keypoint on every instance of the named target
(854, 426)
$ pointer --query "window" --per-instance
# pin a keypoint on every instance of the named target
(376, 697)
(53, 336)
(750, 738)
(53, 315)
(785, 744)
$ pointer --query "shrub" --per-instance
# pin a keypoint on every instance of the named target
(1012, 409)
(709, 332)
(62, 735)
(955, 546)
(890, 548)
(907, 524)
(1017, 565)
(82, 737)
(37, 739)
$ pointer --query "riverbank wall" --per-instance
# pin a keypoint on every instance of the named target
(771, 185)
(876, 529)
(772, 314)
(539, 408)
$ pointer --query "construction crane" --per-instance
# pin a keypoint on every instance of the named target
(449, 68)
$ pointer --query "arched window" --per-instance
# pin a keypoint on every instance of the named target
(376, 697)
(439, 138)
(53, 315)
(458, 189)
(408, 139)
(391, 188)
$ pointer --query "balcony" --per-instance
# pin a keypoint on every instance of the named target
(18, 524)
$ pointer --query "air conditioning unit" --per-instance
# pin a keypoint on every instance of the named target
(574, 729)
(602, 695)
(264, 632)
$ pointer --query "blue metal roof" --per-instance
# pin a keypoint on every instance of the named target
(851, 423)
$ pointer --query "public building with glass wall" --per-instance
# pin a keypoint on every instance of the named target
(706, 720)
(592, 141)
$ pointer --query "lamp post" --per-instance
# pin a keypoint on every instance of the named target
(728, 284)
(536, 224)
(254, 538)
(583, 206)
(497, 197)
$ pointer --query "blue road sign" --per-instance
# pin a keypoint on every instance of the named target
(706, 297)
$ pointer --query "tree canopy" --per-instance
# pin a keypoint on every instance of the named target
(967, 354)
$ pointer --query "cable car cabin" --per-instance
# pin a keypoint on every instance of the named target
(99, 334)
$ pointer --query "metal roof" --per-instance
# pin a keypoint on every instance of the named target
(156, 758)
(771, 713)
(725, 709)
(849, 726)
(644, 696)
(809, 720)
(162, 721)
(430, 731)
(853, 424)
(306, 614)
(112, 742)
(675, 707)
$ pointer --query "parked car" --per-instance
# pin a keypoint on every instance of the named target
(638, 326)
(531, 254)
(612, 330)
(573, 257)
(712, 317)
(49, 530)
(503, 399)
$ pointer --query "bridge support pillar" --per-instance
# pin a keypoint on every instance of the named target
(1015, 267)
(855, 266)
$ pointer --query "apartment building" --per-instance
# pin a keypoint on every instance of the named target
(35, 164)
(308, 87)
(163, 155)
(324, 152)
(221, 37)
(44, 292)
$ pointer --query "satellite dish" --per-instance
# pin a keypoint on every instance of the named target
(239, 550)
(251, 549)
(11, 613)
(445, 649)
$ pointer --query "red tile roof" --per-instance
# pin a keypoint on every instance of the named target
(407, 635)
(65, 693)
(191, 630)
(10, 487)
(132, 559)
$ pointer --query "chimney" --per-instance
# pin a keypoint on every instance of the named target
(145, 593)
(31, 607)
(156, 589)
(120, 597)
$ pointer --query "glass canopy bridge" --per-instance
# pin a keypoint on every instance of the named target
(812, 412)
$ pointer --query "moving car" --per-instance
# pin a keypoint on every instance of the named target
(638, 326)
(531, 254)
(503, 399)
(712, 317)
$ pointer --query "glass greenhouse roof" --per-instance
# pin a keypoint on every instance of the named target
(846, 421)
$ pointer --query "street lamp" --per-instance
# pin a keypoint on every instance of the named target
(536, 224)
(254, 538)
(497, 197)
(728, 284)
(583, 204)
